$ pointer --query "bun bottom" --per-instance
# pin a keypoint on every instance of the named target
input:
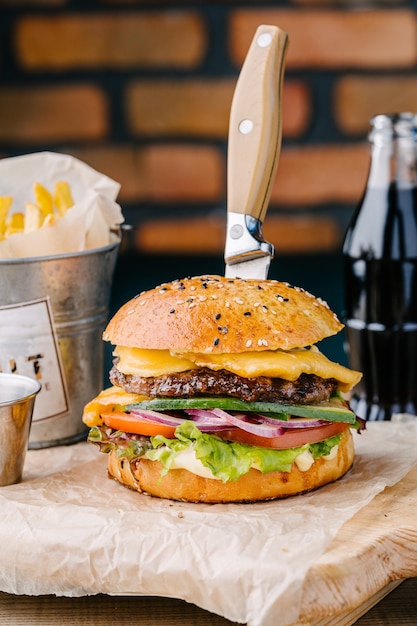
(144, 476)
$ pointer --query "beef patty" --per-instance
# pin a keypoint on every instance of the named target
(307, 389)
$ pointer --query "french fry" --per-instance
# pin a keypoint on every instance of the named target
(49, 220)
(44, 212)
(5, 204)
(63, 197)
(33, 217)
(43, 199)
(16, 221)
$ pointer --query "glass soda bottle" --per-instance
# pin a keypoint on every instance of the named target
(380, 272)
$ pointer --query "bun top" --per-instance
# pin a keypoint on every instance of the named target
(214, 314)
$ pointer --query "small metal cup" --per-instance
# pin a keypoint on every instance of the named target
(17, 399)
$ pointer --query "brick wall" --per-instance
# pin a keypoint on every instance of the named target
(142, 90)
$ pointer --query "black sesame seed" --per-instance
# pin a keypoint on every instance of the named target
(216, 341)
(247, 313)
(172, 311)
(259, 287)
(218, 316)
(204, 285)
(286, 299)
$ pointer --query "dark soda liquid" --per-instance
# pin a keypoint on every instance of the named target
(380, 261)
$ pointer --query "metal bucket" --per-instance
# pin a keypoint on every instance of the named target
(53, 311)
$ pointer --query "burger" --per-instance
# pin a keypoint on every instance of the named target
(220, 394)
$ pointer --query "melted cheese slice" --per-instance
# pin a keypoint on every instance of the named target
(288, 365)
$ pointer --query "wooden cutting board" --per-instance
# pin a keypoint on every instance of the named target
(369, 557)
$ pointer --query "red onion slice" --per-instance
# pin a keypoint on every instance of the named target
(294, 422)
(159, 418)
(207, 421)
(241, 421)
(212, 420)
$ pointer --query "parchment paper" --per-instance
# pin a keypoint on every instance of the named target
(79, 533)
(87, 224)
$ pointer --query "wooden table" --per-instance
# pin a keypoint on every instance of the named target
(398, 608)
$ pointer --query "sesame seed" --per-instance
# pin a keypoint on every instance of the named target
(247, 313)
(262, 342)
(142, 302)
(202, 298)
(249, 343)
(162, 289)
(238, 300)
(192, 287)
(264, 308)
(216, 341)
(257, 304)
(214, 297)
(172, 311)
(227, 304)
(192, 304)
(218, 316)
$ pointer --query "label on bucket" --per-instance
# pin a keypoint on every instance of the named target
(29, 346)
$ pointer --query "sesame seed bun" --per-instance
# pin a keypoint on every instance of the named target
(144, 476)
(214, 314)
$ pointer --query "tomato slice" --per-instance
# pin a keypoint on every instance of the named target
(291, 439)
(129, 423)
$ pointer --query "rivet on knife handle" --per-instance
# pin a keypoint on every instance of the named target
(254, 144)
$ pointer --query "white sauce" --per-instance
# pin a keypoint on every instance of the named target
(304, 461)
(186, 459)
(332, 454)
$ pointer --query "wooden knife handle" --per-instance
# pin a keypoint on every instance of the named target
(255, 126)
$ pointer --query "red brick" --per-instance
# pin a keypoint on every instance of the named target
(58, 113)
(174, 173)
(357, 99)
(313, 175)
(120, 163)
(119, 40)
(331, 39)
(206, 235)
(183, 173)
(201, 108)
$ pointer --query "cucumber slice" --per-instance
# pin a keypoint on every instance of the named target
(333, 411)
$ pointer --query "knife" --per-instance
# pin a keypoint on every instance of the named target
(254, 145)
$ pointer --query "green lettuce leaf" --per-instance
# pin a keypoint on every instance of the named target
(126, 445)
(228, 461)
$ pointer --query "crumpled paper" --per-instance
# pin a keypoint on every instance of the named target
(87, 224)
(78, 533)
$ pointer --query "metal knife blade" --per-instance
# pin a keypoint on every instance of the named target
(254, 145)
